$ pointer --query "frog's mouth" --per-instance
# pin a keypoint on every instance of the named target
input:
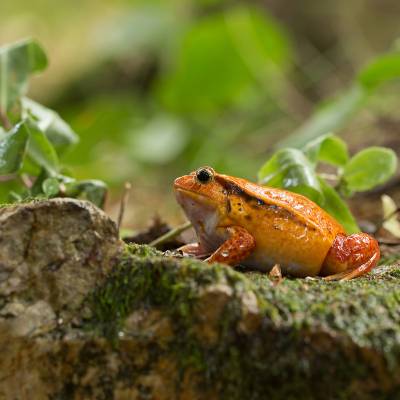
(192, 200)
(203, 213)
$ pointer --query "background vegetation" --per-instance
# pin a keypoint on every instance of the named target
(155, 89)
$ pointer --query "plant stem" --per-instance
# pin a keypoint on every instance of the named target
(171, 234)
(124, 200)
(26, 181)
(5, 121)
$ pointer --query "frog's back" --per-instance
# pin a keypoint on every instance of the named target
(300, 206)
(289, 229)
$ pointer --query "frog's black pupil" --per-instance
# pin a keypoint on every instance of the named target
(203, 176)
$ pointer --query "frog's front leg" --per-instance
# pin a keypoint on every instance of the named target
(193, 250)
(235, 249)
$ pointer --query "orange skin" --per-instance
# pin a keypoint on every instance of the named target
(238, 221)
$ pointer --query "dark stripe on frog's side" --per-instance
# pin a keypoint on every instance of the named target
(233, 189)
(256, 203)
(253, 201)
(228, 206)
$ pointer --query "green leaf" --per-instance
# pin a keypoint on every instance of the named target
(333, 116)
(40, 149)
(12, 149)
(290, 169)
(57, 131)
(329, 118)
(92, 190)
(380, 70)
(8, 187)
(226, 57)
(51, 187)
(329, 148)
(17, 62)
(336, 207)
(369, 168)
(37, 188)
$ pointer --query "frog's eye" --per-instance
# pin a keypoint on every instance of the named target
(204, 175)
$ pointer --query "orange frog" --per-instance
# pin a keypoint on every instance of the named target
(240, 222)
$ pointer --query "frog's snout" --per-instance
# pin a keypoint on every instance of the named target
(183, 182)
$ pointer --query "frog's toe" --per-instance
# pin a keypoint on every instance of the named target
(193, 250)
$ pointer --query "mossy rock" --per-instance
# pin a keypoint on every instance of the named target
(82, 317)
(242, 336)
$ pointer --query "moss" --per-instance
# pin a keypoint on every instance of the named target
(389, 259)
(141, 250)
(317, 339)
(144, 277)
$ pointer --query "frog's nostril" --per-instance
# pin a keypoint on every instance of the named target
(178, 182)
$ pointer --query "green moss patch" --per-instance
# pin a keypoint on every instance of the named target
(316, 339)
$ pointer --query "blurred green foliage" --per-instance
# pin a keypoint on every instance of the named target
(219, 81)
(223, 60)
(155, 89)
(333, 115)
(32, 137)
(296, 170)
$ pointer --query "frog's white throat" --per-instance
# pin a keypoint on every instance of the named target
(205, 217)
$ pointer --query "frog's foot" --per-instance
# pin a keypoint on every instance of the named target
(350, 257)
(234, 250)
(354, 273)
(193, 250)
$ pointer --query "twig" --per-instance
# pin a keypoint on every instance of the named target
(330, 177)
(124, 200)
(5, 121)
(171, 234)
(388, 242)
(5, 178)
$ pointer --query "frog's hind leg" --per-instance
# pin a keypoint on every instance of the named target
(350, 257)
(354, 273)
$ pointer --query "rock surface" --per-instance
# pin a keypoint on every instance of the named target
(143, 325)
(52, 253)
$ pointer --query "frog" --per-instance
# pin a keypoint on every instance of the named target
(238, 222)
